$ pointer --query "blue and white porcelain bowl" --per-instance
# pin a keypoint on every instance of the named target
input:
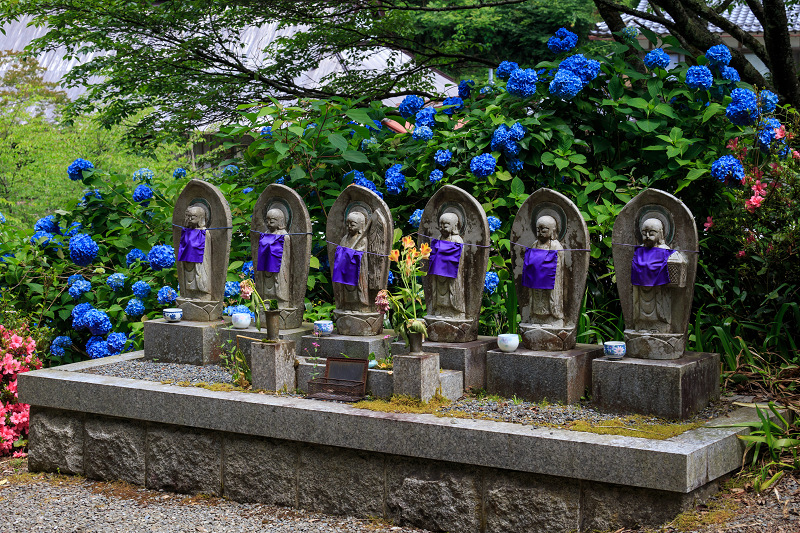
(173, 314)
(323, 327)
(508, 342)
(614, 349)
(241, 320)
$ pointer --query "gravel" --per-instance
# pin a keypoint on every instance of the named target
(161, 372)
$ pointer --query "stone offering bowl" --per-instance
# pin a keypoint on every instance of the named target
(614, 349)
(241, 320)
(323, 327)
(508, 342)
(173, 314)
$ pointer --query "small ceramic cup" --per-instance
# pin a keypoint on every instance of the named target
(241, 320)
(323, 327)
(173, 314)
(614, 349)
(508, 342)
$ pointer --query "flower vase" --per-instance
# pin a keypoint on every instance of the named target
(272, 318)
(414, 343)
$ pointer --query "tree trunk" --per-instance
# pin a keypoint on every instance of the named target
(779, 49)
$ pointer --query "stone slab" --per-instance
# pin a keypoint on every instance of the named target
(272, 366)
(680, 464)
(416, 375)
(538, 375)
(674, 389)
(115, 449)
(352, 346)
(468, 357)
(182, 459)
(228, 334)
(259, 470)
(194, 343)
(55, 442)
(451, 384)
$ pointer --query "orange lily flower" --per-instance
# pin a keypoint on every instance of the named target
(408, 242)
(394, 255)
(425, 250)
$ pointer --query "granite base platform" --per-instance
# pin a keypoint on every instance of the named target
(194, 343)
(228, 335)
(352, 346)
(441, 474)
(466, 357)
(536, 375)
(675, 389)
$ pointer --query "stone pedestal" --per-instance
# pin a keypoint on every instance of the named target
(674, 389)
(416, 375)
(200, 310)
(358, 324)
(554, 339)
(229, 334)
(539, 375)
(352, 346)
(194, 343)
(273, 366)
(466, 357)
(647, 345)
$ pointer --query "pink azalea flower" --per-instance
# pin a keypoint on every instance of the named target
(753, 203)
(708, 224)
(16, 342)
(795, 154)
(733, 143)
(740, 254)
(19, 455)
(759, 189)
(780, 133)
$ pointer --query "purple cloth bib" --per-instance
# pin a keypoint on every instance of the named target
(270, 252)
(346, 265)
(193, 245)
(445, 256)
(649, 266)
(539, 269)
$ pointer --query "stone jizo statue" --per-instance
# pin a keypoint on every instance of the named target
(447, 281)
(547, 304)
(194, 259)
(355, 296)
(275, 253)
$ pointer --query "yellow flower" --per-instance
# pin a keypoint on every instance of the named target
(394, 255)
(408, 242)
(425, 250)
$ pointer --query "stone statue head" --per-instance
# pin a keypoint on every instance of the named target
(448, 224)
(276, 220)
(652, 233)
(356, 223)
(196, 216)
(546, 229)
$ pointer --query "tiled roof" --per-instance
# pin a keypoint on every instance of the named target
(739, 15)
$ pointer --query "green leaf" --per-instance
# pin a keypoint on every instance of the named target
(648, 125)
(593, 186)
(711, 110)
(338, 141)
(503, 175)
(517, 186)
(548, 158)
(561, 163)
(666, 110)
(359, 115)
(639, 103)
(355, 156)
(314, 262)
(297, 173)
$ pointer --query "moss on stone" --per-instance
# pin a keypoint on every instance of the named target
(399, 403)
(633, 426)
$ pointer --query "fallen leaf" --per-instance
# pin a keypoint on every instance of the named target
(3, 482)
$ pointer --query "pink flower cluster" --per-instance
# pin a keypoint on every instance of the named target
(755, 201)
(17, 355)
(246, 288)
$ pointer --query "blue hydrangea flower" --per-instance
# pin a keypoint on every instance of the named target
(361, 181)
(2, 218)
(59, 344)
(161, 256)
(116, 343)
(88, 195)
(727, 169)
(395, 180)
(657, 58)
(499, 137)
(134, 256)
(47, 224)
(435, 176)
(232, 309)
(142, 194)
(517, 131)
(443, 157)
(563, 41)
(282, 180)
(699, 77)
(378, 126)
(416, 218)
(232, 170)
(143, 174)
(73, 229)
(141, 289)
(424, 117)
(718, 56)
(266, 131)
(505, 69)
(97, 322)
(482, 165)
(167, 295)
(116, 281)
(390, 279)
(730, 74)
(367, 142)
(79, 315)
(510, 148)
(630, 32)
(247, 269)
(76, 168)
(410, 105)
(41, 239)
(309, 127)
(494, 223)
(743, 109)
(514, 165)
(422, 133)
(456, 102)
(490, 282)
(97, 347)
(565, 85)
(247, 190)
(73, 278)
(769, 101)
(585, 69)
(231, 289)
(522, 83)
(134, 308)
(179, 173)
(465, 88)
(79, 287)
(354, 175)
(766, 133)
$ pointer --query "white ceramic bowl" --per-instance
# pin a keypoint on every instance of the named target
(508, 342)
(173, 314)
(323, 327)
(614, 349)
(241, 320)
